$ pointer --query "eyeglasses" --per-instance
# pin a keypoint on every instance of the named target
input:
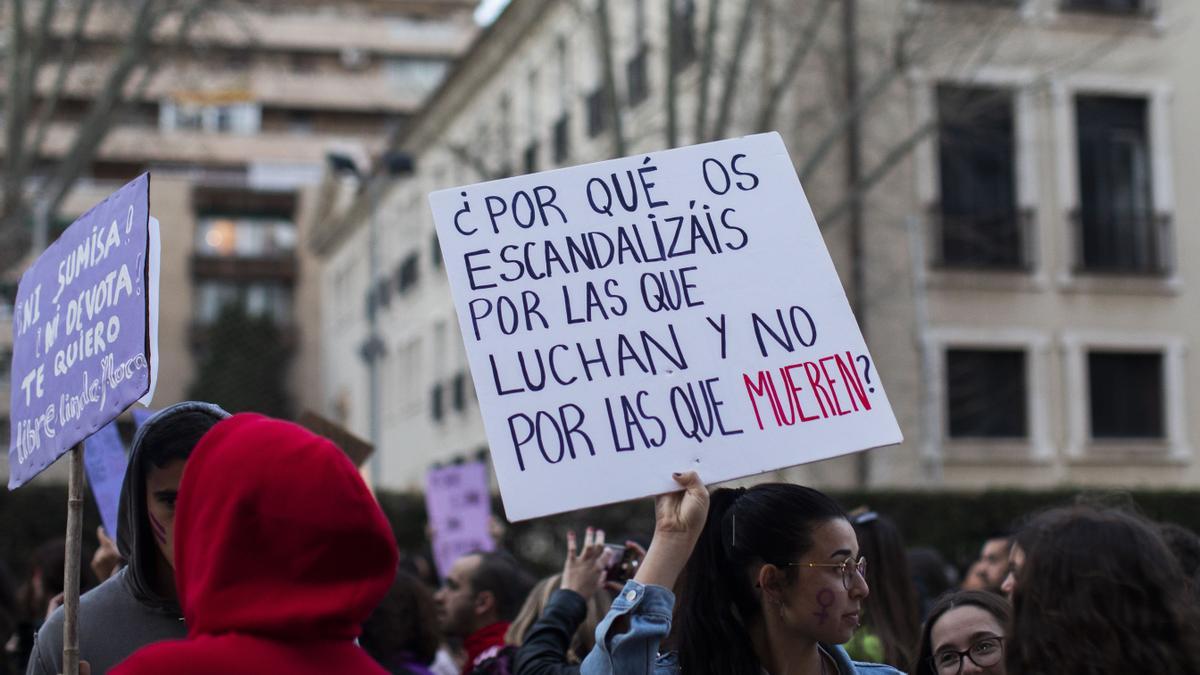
(984, 653)
(848, 567)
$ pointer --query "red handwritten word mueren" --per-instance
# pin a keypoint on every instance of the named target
(808, 390)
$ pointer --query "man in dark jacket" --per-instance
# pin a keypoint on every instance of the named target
(137, 605)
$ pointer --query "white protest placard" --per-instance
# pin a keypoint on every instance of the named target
(677, 310)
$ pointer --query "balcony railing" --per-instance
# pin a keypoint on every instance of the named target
(208, 266)
(1114, 7)
(1141, 245)
(987, 242)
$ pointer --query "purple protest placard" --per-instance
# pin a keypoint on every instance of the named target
(460, 509)
(105, 461)
(140, 415)
(81, 332)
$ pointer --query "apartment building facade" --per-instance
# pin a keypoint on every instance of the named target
(996, 182)
(235, 130)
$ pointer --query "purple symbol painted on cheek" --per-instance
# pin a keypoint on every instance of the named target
(160, 532)
(825, 600)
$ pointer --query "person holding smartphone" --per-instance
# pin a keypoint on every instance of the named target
(564, 631)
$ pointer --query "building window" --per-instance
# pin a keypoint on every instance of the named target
(407, 273)
(530, 157)
(597, 112)
(980, 224)
(458, 387)
(1117, 229)
(564, 74)
(986, 393)
(300, 122)
(531, 109)
(636, 76)
(505, 135)
(272, 300)
(245, 237)
(1125, 394)
(302, 63)
(8, 298)
(1110, 6)
(414, 77)
(437, 408)
(562, 139)
(684, 44)
(5, 365)
(243, 118)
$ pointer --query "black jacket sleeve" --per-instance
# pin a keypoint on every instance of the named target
(545, 649)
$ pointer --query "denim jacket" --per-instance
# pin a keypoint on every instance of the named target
(635, 652)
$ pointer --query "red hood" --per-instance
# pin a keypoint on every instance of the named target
(276, 535)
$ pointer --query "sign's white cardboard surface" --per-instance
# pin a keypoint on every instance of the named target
(657, 313)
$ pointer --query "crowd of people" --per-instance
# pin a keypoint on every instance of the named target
(268, 554)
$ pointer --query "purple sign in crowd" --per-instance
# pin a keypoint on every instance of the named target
(458, 500)
(105, 459)
(81, 337)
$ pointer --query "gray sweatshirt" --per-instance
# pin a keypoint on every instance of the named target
(112, 625)
(123, 614)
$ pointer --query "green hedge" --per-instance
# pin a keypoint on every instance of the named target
(955, 523)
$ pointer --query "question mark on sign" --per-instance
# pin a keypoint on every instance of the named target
(866, 369)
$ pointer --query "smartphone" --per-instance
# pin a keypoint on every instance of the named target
(621, 563)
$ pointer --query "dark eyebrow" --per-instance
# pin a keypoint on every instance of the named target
(972, 639)
(162, 494)
(842, 553)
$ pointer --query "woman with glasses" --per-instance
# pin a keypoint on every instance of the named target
(964, 635)
(1099, 592)
(772, 582)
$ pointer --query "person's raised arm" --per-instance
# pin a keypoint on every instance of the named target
(544, 651)
(678, 521)
(628, 638)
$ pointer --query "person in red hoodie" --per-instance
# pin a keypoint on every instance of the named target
(281, 553)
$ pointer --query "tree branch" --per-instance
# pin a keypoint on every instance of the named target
(605, 45)
(804, 46)
(14, 118)
(671, 81)
(45, 116)
(858, 107)
(877, 174)
(733, 70)
(464, 155)
(94, 126)
(706, 66)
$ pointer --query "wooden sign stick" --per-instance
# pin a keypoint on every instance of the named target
(71, 573)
